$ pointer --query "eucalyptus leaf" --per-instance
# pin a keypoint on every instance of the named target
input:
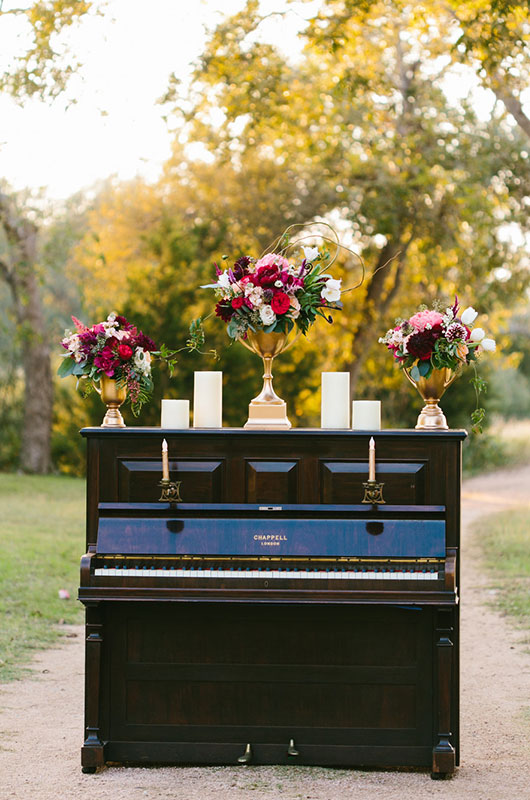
(66, 367)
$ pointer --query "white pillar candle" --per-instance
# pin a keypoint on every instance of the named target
(366, 415)
(175, 414)
(208, 400)
(335, 401)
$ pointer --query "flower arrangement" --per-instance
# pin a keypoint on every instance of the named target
(274, 294)
(439, 338)
(114, 348)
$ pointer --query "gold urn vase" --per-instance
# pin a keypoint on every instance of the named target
(267, 411)
(113, 397)
(431, 389)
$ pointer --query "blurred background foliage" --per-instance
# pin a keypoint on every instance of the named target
(360, 127)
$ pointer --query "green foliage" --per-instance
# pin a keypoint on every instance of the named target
(41, 541)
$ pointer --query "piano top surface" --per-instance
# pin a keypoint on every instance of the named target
(458, 434)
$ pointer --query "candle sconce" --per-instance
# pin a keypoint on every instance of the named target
(170, 491)
(373, 493)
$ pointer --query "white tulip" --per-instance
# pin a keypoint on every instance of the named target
(223, 280)
(310, 253)
(469, 316)
(331, 290)
(489, 345)
(477, 335)
(267, 315)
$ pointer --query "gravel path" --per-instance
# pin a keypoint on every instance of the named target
(41, 717)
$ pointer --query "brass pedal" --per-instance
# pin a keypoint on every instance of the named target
(291, 750)
(246, 758)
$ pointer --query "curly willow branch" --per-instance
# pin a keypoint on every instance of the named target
(283, 243)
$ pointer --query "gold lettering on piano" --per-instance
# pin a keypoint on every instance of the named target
(270, 539)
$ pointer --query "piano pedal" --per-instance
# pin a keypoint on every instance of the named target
(291, 750)
(246, 758)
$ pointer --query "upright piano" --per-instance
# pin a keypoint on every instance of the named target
(269, 615)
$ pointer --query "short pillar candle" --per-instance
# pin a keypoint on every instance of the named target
(208, 400)
(335, 400)
(366, 415)
(175, 414)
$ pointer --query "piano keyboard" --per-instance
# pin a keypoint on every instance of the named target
(396, 574)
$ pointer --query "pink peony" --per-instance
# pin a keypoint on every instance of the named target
(426, 320)
(272, 259)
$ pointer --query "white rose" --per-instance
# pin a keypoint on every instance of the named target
(310, 253)
(267, 315)
(489, 345)
(469, 316)
(331, 290)
(476, 335)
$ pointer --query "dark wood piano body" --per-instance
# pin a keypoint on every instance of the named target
(329, 672)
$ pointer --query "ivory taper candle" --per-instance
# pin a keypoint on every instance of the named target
(335, 400)
(165, 461)
(366, 415)
(175, 414)
(208, 400)
(371, 460)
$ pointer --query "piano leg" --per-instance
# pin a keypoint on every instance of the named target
(443, 754)
(92, 755)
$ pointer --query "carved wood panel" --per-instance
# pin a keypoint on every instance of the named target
(342, 482)
(201, 481)
(271, 481)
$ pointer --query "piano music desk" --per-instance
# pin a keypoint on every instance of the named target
(271, 618)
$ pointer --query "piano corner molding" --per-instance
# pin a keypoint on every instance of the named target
(373, 493)
(170, 491)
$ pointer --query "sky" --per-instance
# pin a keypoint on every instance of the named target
(115, 127)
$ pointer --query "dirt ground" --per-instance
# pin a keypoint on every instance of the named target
(41, 717)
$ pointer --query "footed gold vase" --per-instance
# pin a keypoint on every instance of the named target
(267, 411)
(431, 389)
(113, 397)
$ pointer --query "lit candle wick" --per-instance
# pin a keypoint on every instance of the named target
(165, 461)
(371, 462)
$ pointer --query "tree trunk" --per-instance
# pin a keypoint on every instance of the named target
(19, 270)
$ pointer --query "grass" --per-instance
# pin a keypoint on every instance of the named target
(506, 444)
(505, 541)
(42, 523)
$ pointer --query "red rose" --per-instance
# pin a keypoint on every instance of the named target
(266, 276)
(280, 303)
(237, 302)
(125, 352)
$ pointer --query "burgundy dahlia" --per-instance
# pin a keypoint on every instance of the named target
(225, 311)
(240, 267)
(420, 345)
(145, 342)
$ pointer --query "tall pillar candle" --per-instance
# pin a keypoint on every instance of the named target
(175, 414)
(366, 415)
(208, 400)
(335, 400)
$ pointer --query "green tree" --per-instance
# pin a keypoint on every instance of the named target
(418, 179)
(43, 64)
